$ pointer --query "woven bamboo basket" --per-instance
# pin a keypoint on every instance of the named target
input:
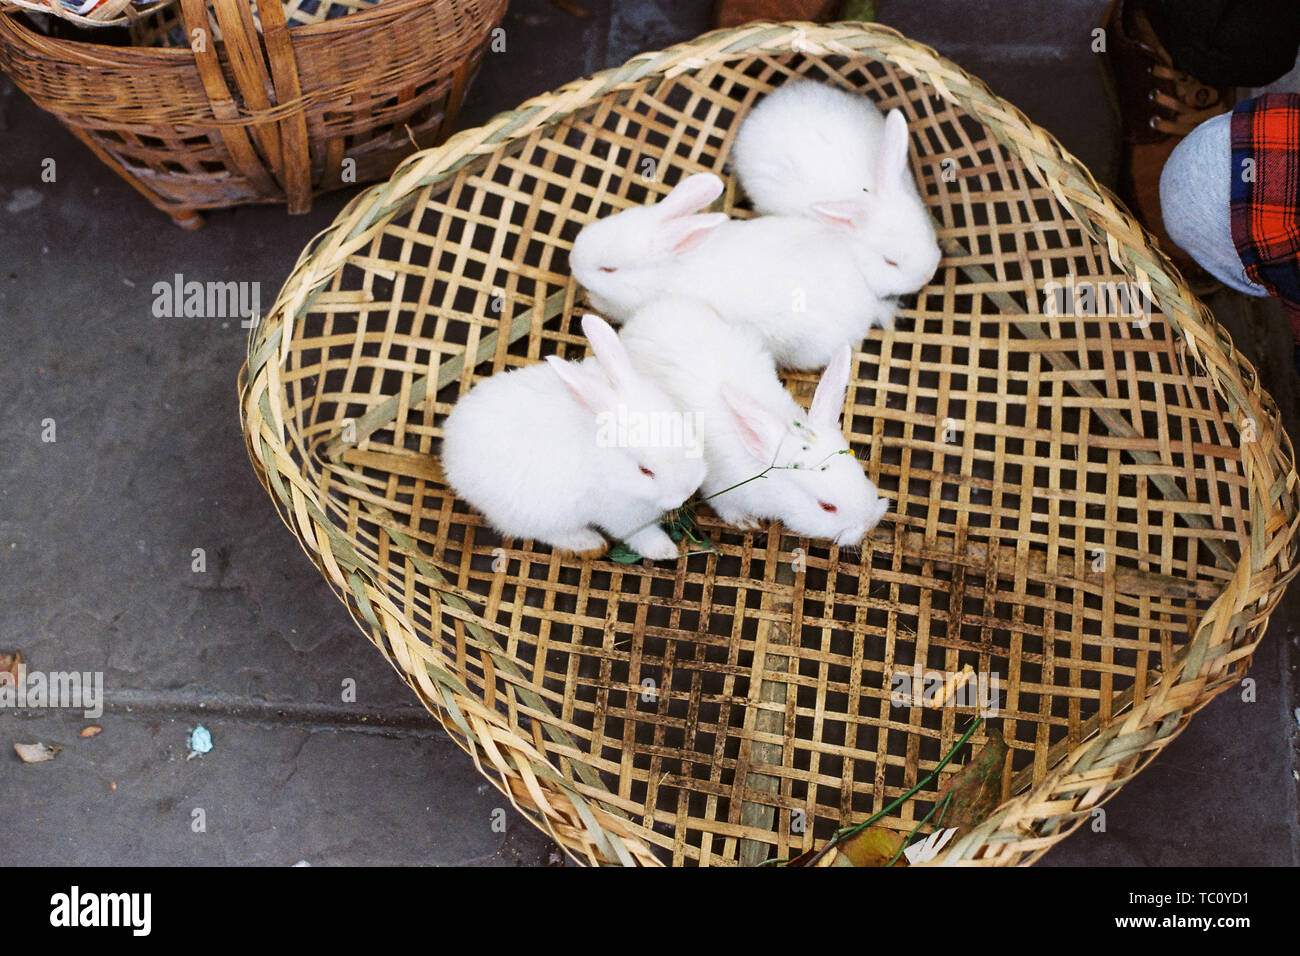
(1100, 511)
(217, 104)
(93, 13)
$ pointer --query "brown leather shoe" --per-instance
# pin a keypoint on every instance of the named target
(1158, 105)
(732, 13)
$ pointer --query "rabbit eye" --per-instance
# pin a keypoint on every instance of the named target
(608, 269)
(827, 507)
(646, 471)
(891, 263)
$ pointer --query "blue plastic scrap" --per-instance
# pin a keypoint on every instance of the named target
(200, 740)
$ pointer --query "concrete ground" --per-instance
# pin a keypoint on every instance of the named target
(98, 528)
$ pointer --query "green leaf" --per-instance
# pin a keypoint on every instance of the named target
(681, 525)
(623, 554)
(858, 10)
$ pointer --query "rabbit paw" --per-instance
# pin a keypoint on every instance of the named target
(737, 518)
(586, 542)
(886, 314)
(654, 543)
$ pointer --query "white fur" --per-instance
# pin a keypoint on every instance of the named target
(522, 448)
(806, 143)
(658, 236)
(809, 149)
(805, 285)
(749, 421)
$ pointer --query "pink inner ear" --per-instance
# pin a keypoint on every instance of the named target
(748, 419)
(750, 438)
(692, 240)
(579, 384)
(841, 213)
(578, 396)
(689, 196)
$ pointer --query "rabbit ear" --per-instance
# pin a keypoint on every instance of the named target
(891, 162)
(760, 431)
(828, 400)
(842, 213)
(608, 349)
(688, 232)
(690, 195)
(588, 389)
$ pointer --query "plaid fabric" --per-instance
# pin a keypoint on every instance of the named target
(1266, 196)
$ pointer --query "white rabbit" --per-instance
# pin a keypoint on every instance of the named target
(750, 425)
(806, 143)
(805, 286)
(809, 149)
(659, 233)
(536, 451)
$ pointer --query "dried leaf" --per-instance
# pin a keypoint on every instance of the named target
(803, 859)
(90, 731)
(874, 846)
(977, 788)
(35, 753)
(9, 663)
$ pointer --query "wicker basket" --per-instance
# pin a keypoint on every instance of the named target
(275, 106)
(104, 13)
(1100, 511)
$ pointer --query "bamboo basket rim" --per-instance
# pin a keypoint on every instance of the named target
(1038, 815)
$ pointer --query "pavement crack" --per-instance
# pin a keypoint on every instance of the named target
(407, 721)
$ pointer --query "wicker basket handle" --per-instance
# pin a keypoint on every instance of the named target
(296, 168)
(277, 149)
